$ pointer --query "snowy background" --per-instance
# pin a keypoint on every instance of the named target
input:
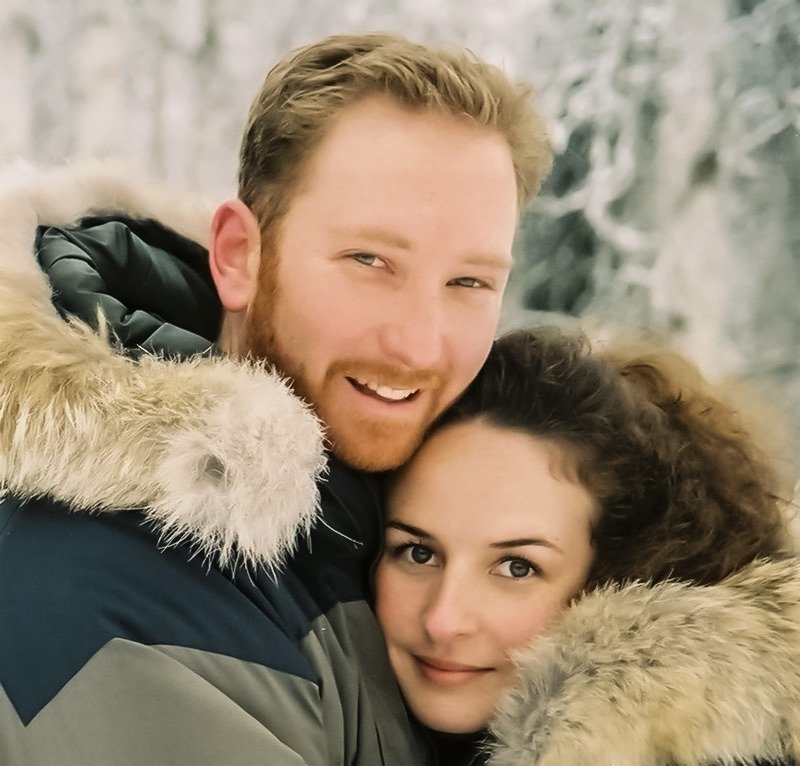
(674, 205)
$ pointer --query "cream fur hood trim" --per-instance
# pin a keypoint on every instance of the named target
(665, 674)
(220, 453)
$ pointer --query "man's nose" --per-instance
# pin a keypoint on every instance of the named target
(451, 613)
(413, 330)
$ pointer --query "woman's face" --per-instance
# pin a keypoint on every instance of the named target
(485, 545)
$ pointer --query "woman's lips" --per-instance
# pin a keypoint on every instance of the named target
(442, 671)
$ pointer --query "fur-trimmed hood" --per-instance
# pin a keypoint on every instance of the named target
(218, 452)
(664, 675)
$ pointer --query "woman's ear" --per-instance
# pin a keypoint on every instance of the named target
(235, 254)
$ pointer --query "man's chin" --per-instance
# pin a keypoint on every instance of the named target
(375, 454)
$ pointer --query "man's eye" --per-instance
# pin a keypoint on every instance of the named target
(367, 259)
(517, 569)
(415, 553)
(470, 282)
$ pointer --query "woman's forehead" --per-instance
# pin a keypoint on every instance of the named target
(475, 480)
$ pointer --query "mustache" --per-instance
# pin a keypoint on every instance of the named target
(386, 374)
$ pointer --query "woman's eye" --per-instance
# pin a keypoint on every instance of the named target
(516, 569)
(417, 554)
(367, 259)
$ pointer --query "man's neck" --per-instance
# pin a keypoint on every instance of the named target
(231, 334)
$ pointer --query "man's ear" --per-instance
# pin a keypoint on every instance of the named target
(235, 254)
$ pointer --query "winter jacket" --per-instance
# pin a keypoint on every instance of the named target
(211, 609)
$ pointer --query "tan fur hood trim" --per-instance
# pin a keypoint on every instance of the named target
(668, 674)
(218, 452)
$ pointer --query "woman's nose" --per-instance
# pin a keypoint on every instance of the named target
(451, 612)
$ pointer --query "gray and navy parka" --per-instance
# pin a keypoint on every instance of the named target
(221, 616)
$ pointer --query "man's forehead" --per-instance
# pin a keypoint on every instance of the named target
(376, 125)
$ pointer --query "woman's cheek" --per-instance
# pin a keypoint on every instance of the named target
(392, 598)
(531, 623)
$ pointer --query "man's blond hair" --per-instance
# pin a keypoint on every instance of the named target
(305, 92)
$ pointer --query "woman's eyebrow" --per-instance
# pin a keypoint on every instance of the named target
(526, 541)
(412, 530)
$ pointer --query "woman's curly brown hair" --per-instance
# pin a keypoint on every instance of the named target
(682, 490)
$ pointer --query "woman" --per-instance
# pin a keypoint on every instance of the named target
(559, 477)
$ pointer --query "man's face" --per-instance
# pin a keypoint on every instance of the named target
(390, 266)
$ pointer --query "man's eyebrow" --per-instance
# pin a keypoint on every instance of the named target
(412, 530)
(382, 236)
(526, 541)
(492, 260)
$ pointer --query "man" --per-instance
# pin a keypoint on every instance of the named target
(365, 258)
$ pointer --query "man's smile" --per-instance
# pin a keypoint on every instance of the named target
(381, 391)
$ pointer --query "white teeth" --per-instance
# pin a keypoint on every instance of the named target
(395, 394)
(385, 392)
